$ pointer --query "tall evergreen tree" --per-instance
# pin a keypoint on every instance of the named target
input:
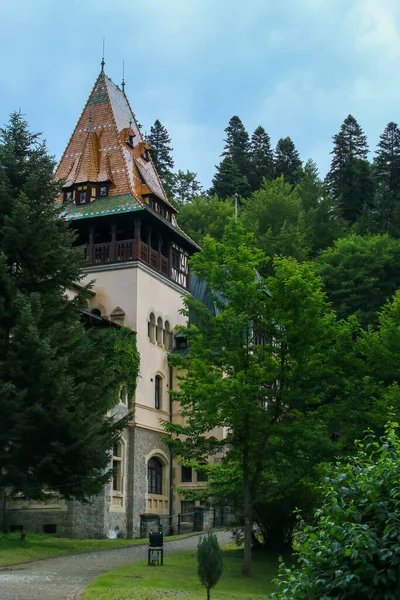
(56, 383)
(228, 180)
(185, 187)
(287, 161)
(237, 145)
(261, 158)
(387, 174)
(161, 153)
(350, 178)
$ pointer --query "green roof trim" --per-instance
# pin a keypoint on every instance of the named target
(110, 205)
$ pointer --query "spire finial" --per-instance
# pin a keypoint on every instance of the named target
(123, 76)
(102, 60)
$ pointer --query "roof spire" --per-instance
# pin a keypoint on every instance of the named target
(102, 60)
(123, 76)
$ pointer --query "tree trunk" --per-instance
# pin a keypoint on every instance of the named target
(248, 524)
(208, 594)
(3, 523)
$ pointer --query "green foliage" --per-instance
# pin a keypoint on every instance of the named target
(185, 187)
(351, 549)
(360, 273)
(55, 385)
(161, 154)
(228, 181)
(271, 364)
(205, 216)
(385, 216)
(350, 178)
(287, 161)
(209, 559)
(272, 214)
(237, 144)
(261, 159)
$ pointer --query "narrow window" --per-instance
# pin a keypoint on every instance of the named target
(154, 475)
(186, 474)
(157, 392)
(117, 467)
(167, 336)
(152, 328)
(159, 331)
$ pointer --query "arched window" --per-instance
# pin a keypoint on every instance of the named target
(157, 391)
(117, 467)
(159, 331)
(151, 327)
(154, 475)
(167, 336)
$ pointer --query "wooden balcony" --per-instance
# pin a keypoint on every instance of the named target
(130, 250)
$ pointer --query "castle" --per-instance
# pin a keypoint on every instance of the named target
(137, 257)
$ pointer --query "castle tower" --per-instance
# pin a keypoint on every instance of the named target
(137, 257)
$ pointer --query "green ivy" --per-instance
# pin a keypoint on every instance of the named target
(121, 359)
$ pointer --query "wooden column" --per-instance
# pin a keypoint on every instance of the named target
(149, 245)
(90, 249)
(113, 246)
(159, 252)
(136, 251)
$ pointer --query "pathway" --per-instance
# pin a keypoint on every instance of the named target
(63, 578)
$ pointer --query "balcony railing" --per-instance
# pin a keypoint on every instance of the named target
(128, 250)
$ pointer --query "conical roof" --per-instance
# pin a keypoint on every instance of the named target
(107, 146)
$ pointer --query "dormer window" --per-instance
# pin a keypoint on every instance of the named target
(103, 190)
(68, 196)
(130, 141)
(82, 197)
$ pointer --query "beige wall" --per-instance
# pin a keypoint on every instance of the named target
(139, 292)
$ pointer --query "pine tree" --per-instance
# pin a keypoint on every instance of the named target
(161, 153)
(210, 565)
(387, 174)
(237, 145)
(56, 383)
(287, 161)
(185, 187)
(228, 181)
(350, 178)
(261, 158)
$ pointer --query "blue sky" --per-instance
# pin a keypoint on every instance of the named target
(297, 67)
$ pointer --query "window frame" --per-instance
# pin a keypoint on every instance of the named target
(157, 392)
(155, 476)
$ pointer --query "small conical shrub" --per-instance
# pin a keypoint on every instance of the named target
(209, 558)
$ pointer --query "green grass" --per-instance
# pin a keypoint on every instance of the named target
(36, 545)
(178, 579)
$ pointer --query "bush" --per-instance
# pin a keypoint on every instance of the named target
(209, 558)
(352, 550)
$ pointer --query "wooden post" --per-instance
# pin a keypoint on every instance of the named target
(90, 249)
(149, 245)
(113, 241)
(159, 253)
(136, 251)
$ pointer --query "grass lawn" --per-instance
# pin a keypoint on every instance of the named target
(178, 579)
(37, 545)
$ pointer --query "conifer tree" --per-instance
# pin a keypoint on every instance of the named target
(387, 174)
(228, 181)
(350, 178)
(185, 187)
(161, 153)
(210, 565)
(237, 145)
(287, 161)
(56, 383)
(261, 158)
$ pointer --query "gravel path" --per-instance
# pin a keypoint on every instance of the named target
(63, 578)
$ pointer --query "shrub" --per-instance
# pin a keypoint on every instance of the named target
(209, 558)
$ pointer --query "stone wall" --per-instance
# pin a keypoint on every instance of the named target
(142, 443)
